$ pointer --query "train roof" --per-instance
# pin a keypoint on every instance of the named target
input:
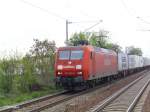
(96, 49)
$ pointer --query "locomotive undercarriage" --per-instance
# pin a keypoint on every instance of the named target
(77, 83)
(71, 83)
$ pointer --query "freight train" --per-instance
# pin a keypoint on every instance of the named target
(84, 66)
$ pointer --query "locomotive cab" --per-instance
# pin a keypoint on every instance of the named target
(69, 66)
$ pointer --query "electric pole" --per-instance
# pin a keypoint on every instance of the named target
(67, 22)
(66, 32)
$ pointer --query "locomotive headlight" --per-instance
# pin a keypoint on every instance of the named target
(78, 66)
(59, 73)
(59, 67)
(79, 73)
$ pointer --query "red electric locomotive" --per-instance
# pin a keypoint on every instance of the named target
(82, 66)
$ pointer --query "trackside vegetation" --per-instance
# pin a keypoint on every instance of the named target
(32, 75)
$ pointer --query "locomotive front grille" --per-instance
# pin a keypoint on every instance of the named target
(69, 73)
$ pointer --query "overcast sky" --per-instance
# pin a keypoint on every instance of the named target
(23, 20)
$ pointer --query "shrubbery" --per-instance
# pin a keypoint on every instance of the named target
(28, 73)
(17, 77)
(5, 82)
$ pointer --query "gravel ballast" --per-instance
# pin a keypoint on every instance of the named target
(87, 101)
(146, 107)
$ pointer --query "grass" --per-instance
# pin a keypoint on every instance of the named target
(11, 99)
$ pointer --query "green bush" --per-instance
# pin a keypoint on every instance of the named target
(27, 82)
(5, 82)
(29, 76)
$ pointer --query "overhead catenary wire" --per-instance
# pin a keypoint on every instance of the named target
(52, 13)
(93, 26)
(137, 17)
(60, 17)
(144, 21)
(55, 14)
(84, 21)
(141, 19)
(142, 30)
(129, 12)
(43, 9)
(126, 7)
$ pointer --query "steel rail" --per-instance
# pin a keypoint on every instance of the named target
(54, 103)
(50, 105)
(26, 103)
(66, 98)
(70, 97)
(38, 100)
(133, 104)
(114, 96)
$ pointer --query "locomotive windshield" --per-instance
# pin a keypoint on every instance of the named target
(72, 55)
(76, 55)
(64, 55)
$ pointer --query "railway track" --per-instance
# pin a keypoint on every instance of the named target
(55, 100)
(48, 101)
(31, 102)
(125, 99)
(141, 102)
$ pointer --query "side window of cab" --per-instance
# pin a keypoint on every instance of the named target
(91, 55)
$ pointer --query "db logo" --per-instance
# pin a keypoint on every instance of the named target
(69, 62)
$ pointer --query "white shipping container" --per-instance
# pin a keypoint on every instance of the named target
(134, 61)
(146, 62)
(122, 61)
(141, 61)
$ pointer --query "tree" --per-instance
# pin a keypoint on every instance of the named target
(27, 80)
(42, 54)
(42, 48)
(7, 72)
(79, 39)
(99, 39)
(6, 81)
(115, 47)
(134, 51)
